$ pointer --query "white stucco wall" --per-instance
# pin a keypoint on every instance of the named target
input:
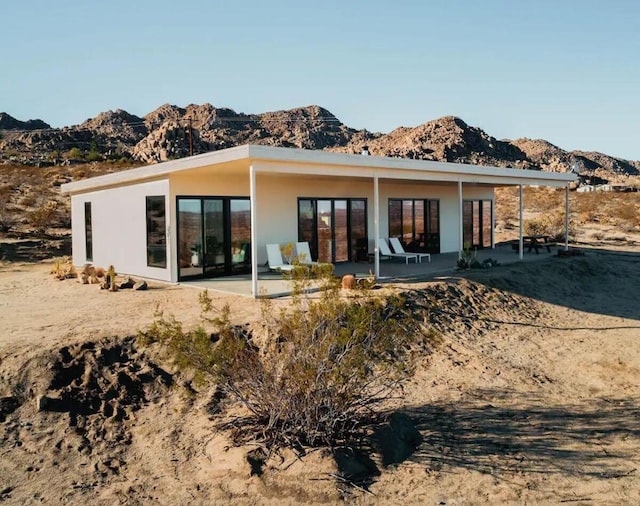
(277, 198)
(119, 217)
(119, 228)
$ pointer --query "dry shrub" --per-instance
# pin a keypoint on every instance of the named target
(64, 269)
(628, 213)
(28, 201)
(8, 220)
(5, 193)
(44, 216)
(543, 199)
(551, 225)
(324, 368)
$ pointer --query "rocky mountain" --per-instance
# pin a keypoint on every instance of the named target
(174, 132)
(8, 122)
(446, 139)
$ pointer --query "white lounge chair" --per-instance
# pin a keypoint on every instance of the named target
(386, 251)
(303, 254)
(274, 257)
(397, 247)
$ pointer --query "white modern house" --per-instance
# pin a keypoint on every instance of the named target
(213, 214)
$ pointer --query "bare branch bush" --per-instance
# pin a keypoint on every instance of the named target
(323, 368)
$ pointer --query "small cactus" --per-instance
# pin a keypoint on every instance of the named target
(111, 278)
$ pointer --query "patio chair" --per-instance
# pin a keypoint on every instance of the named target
(386, 251)
(275, 260)
(303, 254)
(397, 247)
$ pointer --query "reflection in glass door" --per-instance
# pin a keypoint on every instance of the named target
(214, 256)
(476, 223)
(416, 223)
(240, 218)
(336, 229)
(324, 230)
(340, 231)
(190, 237)
(214, 236)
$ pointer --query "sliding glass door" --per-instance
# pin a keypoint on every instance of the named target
(476, 223)
(214, 236)
(334, 228)
(416, 223)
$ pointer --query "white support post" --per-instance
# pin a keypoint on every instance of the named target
(566, 219)
(376, 226)
(254, 232)
(521, 241)
(493, 221)
(461, 242)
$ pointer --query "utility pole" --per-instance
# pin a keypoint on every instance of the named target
(190, 137)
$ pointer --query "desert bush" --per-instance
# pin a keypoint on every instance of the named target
(74, 154)
(8, 221)
(551, 225)
(28, 201)
(43, 217)
(543, 199)
(64, 269)
(626, 212)
(5, 192)
(323, 370)
(535, 227)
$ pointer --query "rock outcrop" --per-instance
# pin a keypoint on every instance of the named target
(171, 132)
(8, 122)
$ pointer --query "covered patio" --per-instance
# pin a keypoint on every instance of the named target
(273, 284)
(207, 220)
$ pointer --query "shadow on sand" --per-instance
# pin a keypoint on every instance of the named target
(489, 433)
(578, 282)
(34, 247)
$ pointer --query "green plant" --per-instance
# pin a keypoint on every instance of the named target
(467, 257)
(324, 368)
(75, 154)
(42, 217)
(111, 279)
(551, 225)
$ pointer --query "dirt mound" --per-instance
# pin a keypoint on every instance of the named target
(96, 382)
(470, 309)
(77, 401)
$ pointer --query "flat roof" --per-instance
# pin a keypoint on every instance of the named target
(338, 162)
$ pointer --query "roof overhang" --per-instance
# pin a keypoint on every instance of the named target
(325, 163)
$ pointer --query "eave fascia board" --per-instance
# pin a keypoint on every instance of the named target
(156, 171)
(327, 158)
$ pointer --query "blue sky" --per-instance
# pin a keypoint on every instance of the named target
(564, 70)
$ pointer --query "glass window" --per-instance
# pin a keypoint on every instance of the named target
(477, 223)
(395, 218)
(416, 223)
(156, 232)
(467, 225)
(306, 224)
(88, 232)
(358, 229)
(240, 212)
(407, 221)
(486, 223)
(336, 229)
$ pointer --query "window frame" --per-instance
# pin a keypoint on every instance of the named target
(429, 206)
(153, 248)
(88, 232)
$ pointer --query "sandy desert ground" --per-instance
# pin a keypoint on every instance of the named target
(533, 397)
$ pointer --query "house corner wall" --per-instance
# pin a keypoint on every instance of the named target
(119, 229)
